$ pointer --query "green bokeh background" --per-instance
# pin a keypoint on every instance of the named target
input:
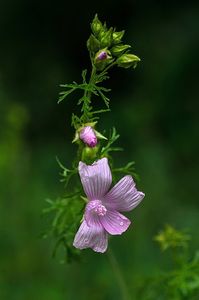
(154, 108)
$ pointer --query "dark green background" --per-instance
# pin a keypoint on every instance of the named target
(155, 109)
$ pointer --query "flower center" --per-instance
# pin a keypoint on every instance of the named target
(97, 207)
(100, 210)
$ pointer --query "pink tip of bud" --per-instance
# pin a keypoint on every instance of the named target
(87, 135)
(102, 55)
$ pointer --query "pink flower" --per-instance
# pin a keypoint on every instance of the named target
(88, 136)
(102, 211)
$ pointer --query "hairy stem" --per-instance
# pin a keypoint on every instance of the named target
(87, 94)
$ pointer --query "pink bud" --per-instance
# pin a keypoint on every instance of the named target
(87, 135)
(102, 55)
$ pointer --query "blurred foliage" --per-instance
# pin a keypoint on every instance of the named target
(155, 110)
(181, 281)
(68, 213)
(171, 238)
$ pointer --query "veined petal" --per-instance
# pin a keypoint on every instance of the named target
(96, 178)
(123, 196)
(114, 222)
(94, 237)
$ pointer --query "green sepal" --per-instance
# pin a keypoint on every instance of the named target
(96, 26)
(127, 61)
(76, 138)
(117, 36)
(86, 201)
(99, 135)
(119, 49)
(100, 65)
(93, 44)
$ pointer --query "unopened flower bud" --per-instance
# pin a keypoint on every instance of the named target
(101, 55)
(102, 31)
(89, 154)
(88, 136)
(117, 36)
(106, 38)
(102, 59)
(127, 61)
(93, 44)
(119, 49)
(96, 25)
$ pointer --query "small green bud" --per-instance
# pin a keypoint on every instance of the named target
(106, 38)
(117, 36)
(127, 61)
(101, 34)
(89, 154)
(96, 25)
(119, 49)
(93, 44)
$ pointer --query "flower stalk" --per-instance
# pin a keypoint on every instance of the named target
(118, 275)
(100, 216)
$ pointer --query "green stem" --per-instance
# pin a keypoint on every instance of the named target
(88, 94)
(118, 274)
(92, 80)
(79, 152)
(109, 66)
(93, 72)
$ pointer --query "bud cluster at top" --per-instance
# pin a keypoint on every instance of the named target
(105, 46)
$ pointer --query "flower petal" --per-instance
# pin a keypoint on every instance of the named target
(94, 237)
(123, 196)
(96, 178)
(114, 222)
